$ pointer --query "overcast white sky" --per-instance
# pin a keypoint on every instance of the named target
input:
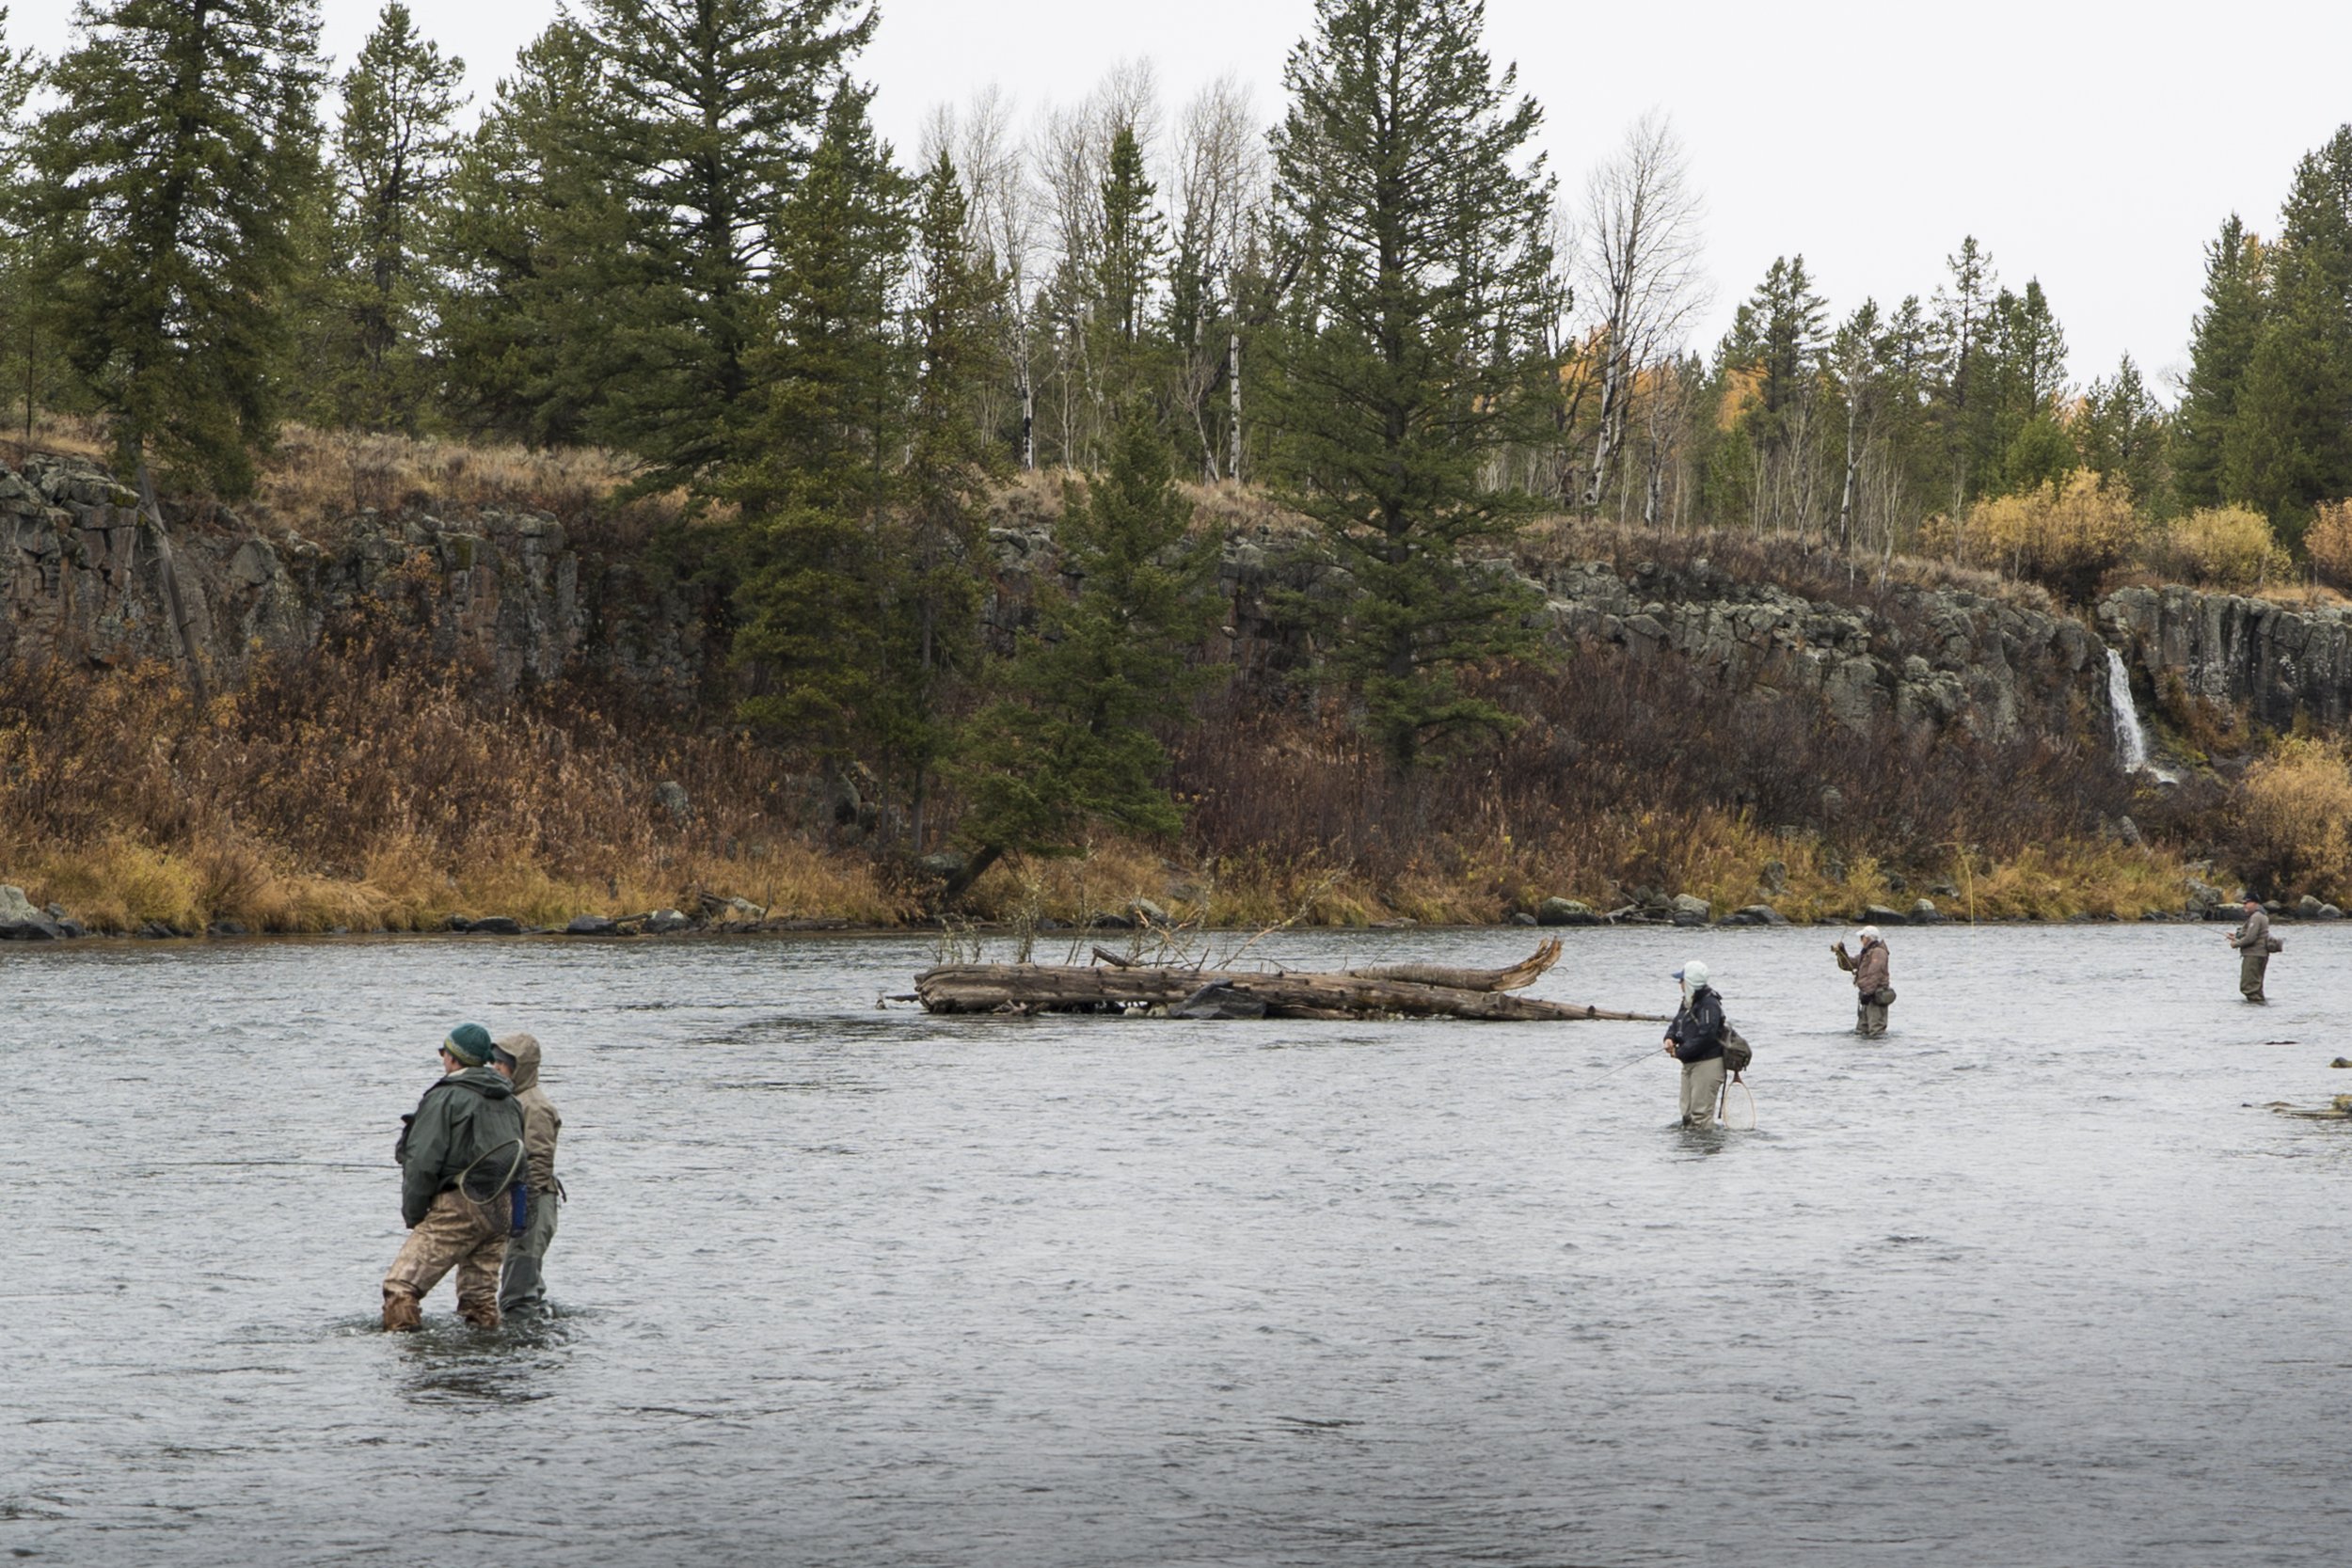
(2095, 145)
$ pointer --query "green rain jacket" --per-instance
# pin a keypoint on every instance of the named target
(469, 1118)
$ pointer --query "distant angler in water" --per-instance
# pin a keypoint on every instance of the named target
(2255, 944)
(1872, 968)
(1696, 1038)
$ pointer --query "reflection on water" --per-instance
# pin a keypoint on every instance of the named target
(2033, 1279)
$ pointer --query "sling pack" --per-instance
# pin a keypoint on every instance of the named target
(1736, 1055)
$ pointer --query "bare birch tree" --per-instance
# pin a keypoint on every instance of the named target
(1641, 262)
(1002, 232)
(1219, 186)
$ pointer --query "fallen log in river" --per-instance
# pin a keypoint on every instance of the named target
(1394, 990)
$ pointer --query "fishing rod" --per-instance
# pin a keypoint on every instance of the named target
(1621, 1067)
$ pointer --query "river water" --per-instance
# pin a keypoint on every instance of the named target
(2035, 1280)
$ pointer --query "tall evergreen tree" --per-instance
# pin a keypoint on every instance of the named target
(393, 152)
(28, 360)
(2024, 373)
(1077, 744)
(1127, 266)
(168, 175)
(1413, 358)
(1964, 314)
(1769, 367)
(2122, 435)
(529, 235)
(709, 113)
(2289, 445)
(2220, 346)
(824, 432)
(940, 537)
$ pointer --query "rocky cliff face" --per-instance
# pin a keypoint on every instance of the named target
(502, 592)
(1932, 657)
(2264, 658)
(511, 594)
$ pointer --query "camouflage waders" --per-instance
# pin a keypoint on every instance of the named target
(455, 1233)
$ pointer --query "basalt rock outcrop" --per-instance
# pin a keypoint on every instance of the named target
(1935, 657)
(2266, 660)
(514, 594)
(1932, 657)
(504, 591)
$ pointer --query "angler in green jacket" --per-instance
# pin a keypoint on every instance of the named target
(460, 1156)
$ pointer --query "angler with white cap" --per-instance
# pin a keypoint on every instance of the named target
(1696, 1038)
(1874, 990)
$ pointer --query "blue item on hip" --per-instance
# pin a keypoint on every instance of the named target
(522, 1206)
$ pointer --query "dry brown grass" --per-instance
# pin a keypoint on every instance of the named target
(314, 478)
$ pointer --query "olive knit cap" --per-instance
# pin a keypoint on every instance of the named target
(469, 1043)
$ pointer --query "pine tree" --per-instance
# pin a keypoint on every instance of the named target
(531, 236)
(939, 538)
(2122, 435)
(817, 581)
(1076, 745)
(2023, 375)
(394, 150)
(1412, 357)
(29, 363)
(2221, 345)
(1963, 325)
(2289, 444)
(709, 112)
(167, 180)
(1127, 266)
(1770, 371)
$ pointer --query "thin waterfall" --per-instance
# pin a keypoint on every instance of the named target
(2131, 738)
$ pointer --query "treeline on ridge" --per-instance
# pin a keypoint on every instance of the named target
(675, 234)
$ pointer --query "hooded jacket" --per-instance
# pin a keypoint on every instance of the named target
(462, 1120)
(1697, 1030)
(541, 1122)
(1870, 970)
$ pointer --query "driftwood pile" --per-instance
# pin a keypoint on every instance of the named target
(1389, 991)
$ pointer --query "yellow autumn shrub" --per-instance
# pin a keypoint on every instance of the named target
(2064, 535)
(2329, 542)
(2221, 547)
(2295, 822)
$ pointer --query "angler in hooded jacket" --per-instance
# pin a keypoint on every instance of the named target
(460, 1157)
(1696, 1038)
(1873, 983)
(524, 1283)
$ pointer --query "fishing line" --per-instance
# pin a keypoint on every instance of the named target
(1622, 1066)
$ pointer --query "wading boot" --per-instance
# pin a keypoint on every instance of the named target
(481, 1314)
(402, 1313)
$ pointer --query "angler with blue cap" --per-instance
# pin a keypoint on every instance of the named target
(1696, 1038)
(461, 1154)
